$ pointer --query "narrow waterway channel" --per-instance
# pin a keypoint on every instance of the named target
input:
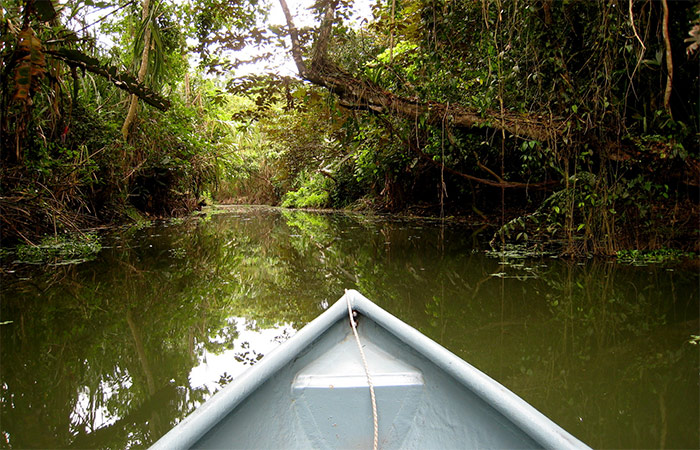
(113, 352)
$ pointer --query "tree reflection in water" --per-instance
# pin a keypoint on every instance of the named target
(113, 352)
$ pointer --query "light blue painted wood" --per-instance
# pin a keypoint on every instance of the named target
(311, 393)
(331, 397)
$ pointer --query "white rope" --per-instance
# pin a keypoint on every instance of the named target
(369, 378)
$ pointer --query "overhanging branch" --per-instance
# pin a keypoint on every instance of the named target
(121, 80)
(358, 93)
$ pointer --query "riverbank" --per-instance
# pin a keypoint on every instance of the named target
(84, 244)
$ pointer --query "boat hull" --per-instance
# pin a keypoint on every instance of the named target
(310, 393)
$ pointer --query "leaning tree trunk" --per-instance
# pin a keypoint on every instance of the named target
(134, 101)
(363, 94)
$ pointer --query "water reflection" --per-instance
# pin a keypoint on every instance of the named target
(111, 353)
(216, 369)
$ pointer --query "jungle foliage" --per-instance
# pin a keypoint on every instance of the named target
(584, 114)
(568, 122)
(68, 75)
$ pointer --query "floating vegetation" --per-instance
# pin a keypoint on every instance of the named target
(60, 249)
(520, 251)
(521, 277)
(644, 257)
(138, 219)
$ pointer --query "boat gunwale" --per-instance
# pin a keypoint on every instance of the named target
(186, 433)
(543, 430)
(525, 416)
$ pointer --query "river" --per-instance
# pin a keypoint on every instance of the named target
(111, 353)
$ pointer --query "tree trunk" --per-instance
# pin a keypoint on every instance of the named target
(134, 101)
(363, 94)
(669, 60)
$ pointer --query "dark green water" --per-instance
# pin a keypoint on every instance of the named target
(111, 353)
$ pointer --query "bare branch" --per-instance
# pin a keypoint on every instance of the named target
(294, 35)
(324, 33)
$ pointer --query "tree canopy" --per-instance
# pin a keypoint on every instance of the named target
(568, 120)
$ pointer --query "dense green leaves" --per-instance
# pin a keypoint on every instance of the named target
(576, 68)
(485, 107)
(64, 165)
